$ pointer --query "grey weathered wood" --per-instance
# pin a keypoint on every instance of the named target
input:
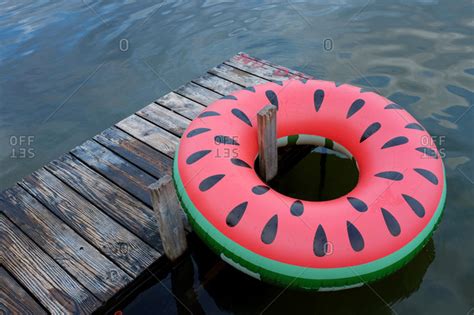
(198, 93)
(242, 57)
(56, 290)
(165, 118)
(92, 269)
(14, 299)
(181, 105)
(267, 144)
(168, 213)
(119, 244)
(219, 85)
(236, 75)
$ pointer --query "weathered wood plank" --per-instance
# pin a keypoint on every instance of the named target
(92, 269)
(237, 76)
(164, 118)
(116, 242)
(293, 73)
(14, 299)
(57, 291)
(217, 84)
(149, 133)
(119, 171)
(135, 151)
(169, 216)
(128, 211)
(198, 93)
(181, 105)
(267, 142)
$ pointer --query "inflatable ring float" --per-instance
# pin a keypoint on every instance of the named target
(362, 236)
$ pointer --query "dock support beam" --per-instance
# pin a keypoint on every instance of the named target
(267, 142)
(169, 216)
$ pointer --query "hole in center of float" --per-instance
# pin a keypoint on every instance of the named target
(313, 169)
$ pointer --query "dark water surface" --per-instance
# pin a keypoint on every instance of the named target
(70, 69)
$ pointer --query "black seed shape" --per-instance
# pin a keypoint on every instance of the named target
(208, 114)
(229, 97)
(427, 151)
(320, 242)
(260, 189)
(240, 162)
(356, 105)
(318, 99)
(241, 115)
(209, 182)
(250, 88)
(358, 204)
(373, 128)
(196, 156)
(220, 139)
(297, 208)
(390, 175)
(395, 141)
(427, 174)
(393, 106)
(196, 132)
(272, 97)
(234, 216)
(278, 82)
(270, 230)
(355, 238)
(415, 126)
(415, 205)
(392, 224)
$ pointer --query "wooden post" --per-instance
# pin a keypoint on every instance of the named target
(267, 142)
(170, 220)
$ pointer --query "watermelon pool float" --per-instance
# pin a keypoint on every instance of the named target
(363, 236)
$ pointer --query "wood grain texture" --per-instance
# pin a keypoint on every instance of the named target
(56, 290)
(181, 105)
(73, 253)
(134, 151)
(198, 93)
(217, 84)
(168, 212)
(116, 242)
(14, 299)
(150, 134)
(236, 75)
(165, 118)
(111, 199)
(267, 143)
(119, 171)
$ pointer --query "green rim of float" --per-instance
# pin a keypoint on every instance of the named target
(288, 275)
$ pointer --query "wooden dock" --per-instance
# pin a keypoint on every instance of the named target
(78, 231)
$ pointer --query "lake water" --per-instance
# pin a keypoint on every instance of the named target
(70, 69)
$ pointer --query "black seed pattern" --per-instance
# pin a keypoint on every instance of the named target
(229, 97)
(234, 216)
(427, 151)
(415, 126)
(392, 224)
(415, 205)
(250, 88)
(320, 242)
(297, 208)
(358, 204)
(209, 182)
(318, 99)
(355, 238)
(196, 132)
(241, 115)
(373, 128)
(240, 162)
(395, 142)
(260, 189)
(270, 230)
(393, 106)
(430, 176)
(220, 139)
(208, 114)
(196, 156)
(272, 97)
(355, 107)
(390, 175)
